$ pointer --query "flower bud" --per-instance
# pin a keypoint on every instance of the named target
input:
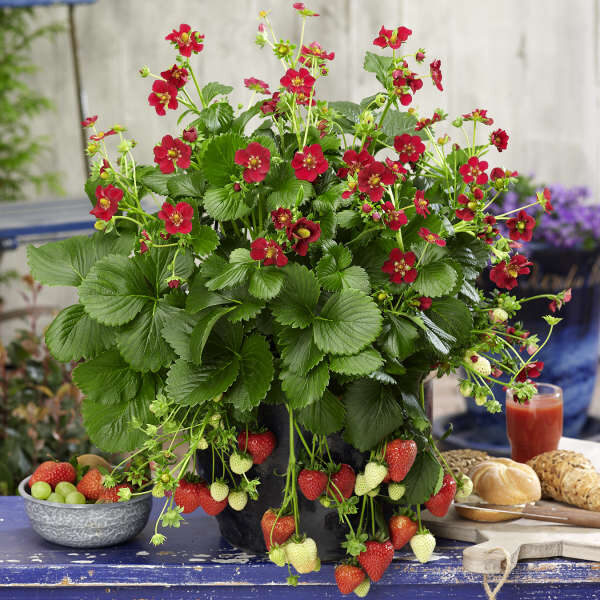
(145, 71)
(457, 122)
(190, 134)
(367, 118)
(100, 225)
(366, 208)
(118, 127)
(420, 55)
(380, 99)
(236, 187)
(376, 216)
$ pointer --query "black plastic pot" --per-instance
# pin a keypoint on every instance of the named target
(242, 529)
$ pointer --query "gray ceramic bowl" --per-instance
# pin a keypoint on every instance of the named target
(86, 525)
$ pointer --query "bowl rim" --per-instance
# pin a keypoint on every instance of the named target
(109, 505)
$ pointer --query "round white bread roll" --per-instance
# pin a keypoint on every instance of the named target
(504, 481)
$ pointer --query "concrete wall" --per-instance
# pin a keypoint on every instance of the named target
(534, 64)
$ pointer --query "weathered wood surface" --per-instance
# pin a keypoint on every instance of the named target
(197, 563)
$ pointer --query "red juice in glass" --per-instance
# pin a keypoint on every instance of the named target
(535, 426)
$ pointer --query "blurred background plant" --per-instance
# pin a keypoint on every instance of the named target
(20, 103)
(40, 415)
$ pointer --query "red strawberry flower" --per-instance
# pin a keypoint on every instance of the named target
(436, 74)
(163, 96)
(102, 134)
(392, 38)
(499, 138)
(468, 212)
(107, 202)
(354, 162)
(178, 219)
(396, 167)
(479, 114)
(186, 40)
(350, 189)
(505, 273)
(521, 227)
(257, 161)
(400, 266)
(530, 371)
(269, 251)
(474, 170)
(314, 54)
(190, 134)
(305, 12)
(544, 199)
(176, 76)
(270, 106)
(298, 81)
(561, 298)
(497, 173)
(373, 178)
(409, 147)
(421, 203)
(304, 232)
(89, 121)
(489, 234)
(393, 218)
(282, 218)
(430, 237)
(257, 85)
(171, 152)
(310, 163)
(424, 302)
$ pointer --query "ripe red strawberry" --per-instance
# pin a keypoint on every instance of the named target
(312, 483)
(439, 503)
(208, 503)
(348, 578)
(187, 495)
(53, 472)
(376, 558)
(402, 528)
(111, 494)
(258, 445)
(282, 528)
(91, 484)
(343, 481)
(400, 456)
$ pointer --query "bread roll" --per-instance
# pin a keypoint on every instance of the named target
(504, 481)
(462, 461)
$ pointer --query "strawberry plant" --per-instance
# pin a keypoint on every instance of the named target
(319, 256)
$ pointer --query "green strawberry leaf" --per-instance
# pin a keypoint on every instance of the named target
(286, 187)
(435, 279)
(335, 273)
(187, 185)
(207, 320)
(218, 161)
(214, 89)
(177, 333)
(225, 204)
(399, 337)
(324, 417)
(200, 297)
(204, 240)
(422, 479)
(296, 303)
(304, 390)
(266, 282)
(363, 363)
(298, 351)
(235, 272)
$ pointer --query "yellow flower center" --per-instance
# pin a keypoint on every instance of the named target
(374, 180)
(104, 203)
(513, 271)
(172, 153)
(303, 232)
(176, 218)
(163, 98)
(185, 37)
(297, 81)
(309, 161)
(254, 162)
(400, 266)
(271, 252)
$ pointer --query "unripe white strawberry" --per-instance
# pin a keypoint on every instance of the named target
(423, 545)
(374, 474)
(478, 363)
(303, 555)
(374, 492)
(466, 388)
(215, 420)
(219, 490)
(238, 500)
(498, 315)
(396, 491)
(480, 399)
(362, 589)
(361, 487)
(158, 491)
(465, 488)
(240, 463)
(277, 555)
(202, 444)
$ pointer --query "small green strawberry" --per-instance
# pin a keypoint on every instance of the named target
(215, 420)
(374, 474)
(240, 463)
(362, 589)
(396, 491)
(361, 487)
(303, 555)
(325, 502)
(277, 556)
(465, 488)
(237, 499)
(422, 545)
(202, 444)
(219, 490)
(374, 492)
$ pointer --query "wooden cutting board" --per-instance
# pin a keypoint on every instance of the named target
(522, 538)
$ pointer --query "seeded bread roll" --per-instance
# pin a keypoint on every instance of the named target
(462, 461)
(569, 477)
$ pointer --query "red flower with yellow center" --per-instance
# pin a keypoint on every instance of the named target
(176, 76)
(304, 232)
(421, 203)
(409, 147)
(178, 219)
(393, 218)
(474, 170)
(392, 38)
(400, 266)
(102, 134)
(107, 202)
(314, 54)
(163, 96)
(354, 161)
(257, 161)
(430, 237)
(468, 212)
(269, 251)
(257, 85)
(282, 217)
(89, 121)
(479, 114)
(298, 81)
(521, 227)
(499, 138)
(186, 40)
(171, 152)
(396, 167)
(505, 273)
(310, 163)
(373, 178)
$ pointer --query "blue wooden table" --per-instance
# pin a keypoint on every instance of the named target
(196, 562)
